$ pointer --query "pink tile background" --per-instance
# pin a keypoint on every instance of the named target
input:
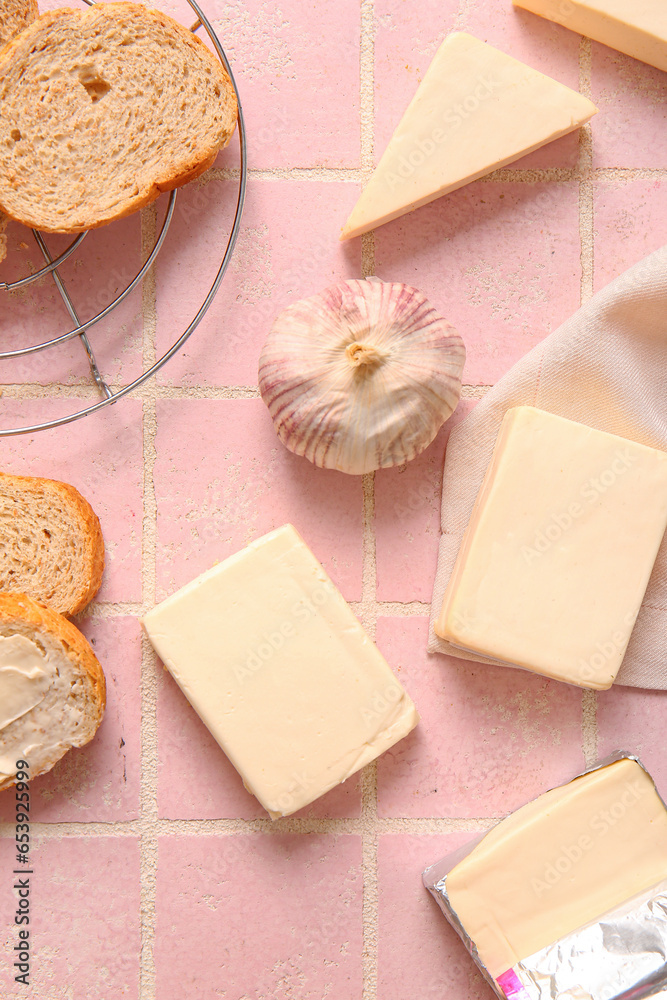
(631, 97)
(419, 953)
(285, 252)
(99, 782)
(150, 822)
(105, 264)
(84, 918)
(490, 739)
(489, 257)
(407, 508)
(215, 493)
(241, 888)
(102, 456)
(628, 223)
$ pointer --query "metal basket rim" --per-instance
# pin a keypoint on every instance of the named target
(231, 242)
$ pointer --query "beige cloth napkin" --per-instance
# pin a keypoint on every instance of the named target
(606, 367)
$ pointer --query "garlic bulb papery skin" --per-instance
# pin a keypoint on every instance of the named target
(361, 376)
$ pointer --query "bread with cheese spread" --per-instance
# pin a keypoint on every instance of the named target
(15, 15)
(52, 689)
(102, 110)
(51, 545)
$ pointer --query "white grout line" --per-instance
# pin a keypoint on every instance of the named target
(589, 725)
(357, 175)
(586, 236)
(288, 825)
(586, 224)
(368, 609)
(149, 750)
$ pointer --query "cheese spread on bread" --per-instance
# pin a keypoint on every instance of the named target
(52, 689)
(27, 675)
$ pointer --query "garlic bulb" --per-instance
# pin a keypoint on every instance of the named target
(361, 376)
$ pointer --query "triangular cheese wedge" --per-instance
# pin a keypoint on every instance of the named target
(476, 109)
(639, 29)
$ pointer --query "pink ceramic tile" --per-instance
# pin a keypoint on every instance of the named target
(297, 69)
(99, 782)
(490, 738)
(197, 781)
(222, 478)
(98, 271)
(629, 224)
(102, 456)
(288, 247)
(634, 720)
(407, 520)
(419, 954)
(84, 919)
(631, 129)
(405, 46)
(501, 262)
(280, 915)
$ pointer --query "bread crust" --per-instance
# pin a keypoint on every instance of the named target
(176, 171)
(15, 15)
(37, 491)
(19, 614)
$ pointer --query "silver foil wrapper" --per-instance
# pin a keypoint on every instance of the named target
(623, 955)
(620, 956)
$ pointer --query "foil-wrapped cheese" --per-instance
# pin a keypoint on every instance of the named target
(537, 897)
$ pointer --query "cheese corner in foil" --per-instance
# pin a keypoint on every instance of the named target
(566, 898)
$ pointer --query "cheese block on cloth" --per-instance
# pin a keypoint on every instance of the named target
(476, 109)
(275, 663)
(559, 549)
(565, 859)
(636, 27)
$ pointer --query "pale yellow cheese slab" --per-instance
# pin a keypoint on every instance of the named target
(476, 110)
(278, 668)
(559, 549)
(636, 27)
(563, 860)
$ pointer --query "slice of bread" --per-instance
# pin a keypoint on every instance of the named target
(102, 110)
(15, 15)
(52, 689)
(51, 544)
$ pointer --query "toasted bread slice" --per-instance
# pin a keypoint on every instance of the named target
(51, 544)
(52, 689)
(102, 110)
(15, 15)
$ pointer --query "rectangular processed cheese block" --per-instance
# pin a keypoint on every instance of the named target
(559, 549)
(476, 109)
(275, 663)
(568, 858)
(636, 27)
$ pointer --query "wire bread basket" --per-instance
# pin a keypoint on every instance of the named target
(80, 328)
